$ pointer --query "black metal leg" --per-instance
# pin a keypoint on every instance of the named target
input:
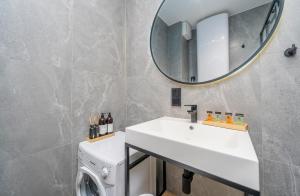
(247, 191)
(157, 180)
(161, 185)
(248, 194)
(164, 176)
(127, 170)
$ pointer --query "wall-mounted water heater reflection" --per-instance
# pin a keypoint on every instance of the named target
(186, 30)
(213, 47)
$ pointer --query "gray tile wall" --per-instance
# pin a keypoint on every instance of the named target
(170, 49)
(59, 61)
(267, 92)
(160, 44)
(240, 33)
(177, 53)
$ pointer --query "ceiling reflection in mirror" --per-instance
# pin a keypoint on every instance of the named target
(201, 41)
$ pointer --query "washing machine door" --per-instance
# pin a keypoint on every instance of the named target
(88, 184)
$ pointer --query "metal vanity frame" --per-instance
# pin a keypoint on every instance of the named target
(248, 191)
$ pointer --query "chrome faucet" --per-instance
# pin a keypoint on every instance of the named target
(193, 113)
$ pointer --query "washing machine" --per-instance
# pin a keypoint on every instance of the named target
(101, 169)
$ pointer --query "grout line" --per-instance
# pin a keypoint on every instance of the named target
(262, 184)
(71, 98)
(294, 187)
(125, 63)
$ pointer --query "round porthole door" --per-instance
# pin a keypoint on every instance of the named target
(88, 184)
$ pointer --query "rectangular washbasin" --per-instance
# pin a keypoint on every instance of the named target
(225, 153)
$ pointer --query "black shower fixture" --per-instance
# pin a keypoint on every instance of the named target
(290, 52)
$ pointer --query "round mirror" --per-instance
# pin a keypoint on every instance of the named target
(202, 41)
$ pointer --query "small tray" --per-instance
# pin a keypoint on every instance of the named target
(100, 138)
(223, 124)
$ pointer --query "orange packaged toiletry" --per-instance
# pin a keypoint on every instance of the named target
(210, 116)
(229, 118)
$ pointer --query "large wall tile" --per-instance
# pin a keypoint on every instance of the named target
(277, 179)
(280, 108)
(98, 70)
(99, 37)
(45, 173)
(60, 60)
(93, 93)
(35, 76)
(140, 15)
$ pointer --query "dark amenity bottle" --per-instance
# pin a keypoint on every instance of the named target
(110, 124)
(102, 125)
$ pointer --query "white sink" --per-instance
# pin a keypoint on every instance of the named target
(225, 153)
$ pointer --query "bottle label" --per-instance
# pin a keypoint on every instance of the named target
(110, 128)
(103, 129)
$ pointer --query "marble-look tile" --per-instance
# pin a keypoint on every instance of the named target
(99, 36)
(261, 176)
(143, 78)
(277, 179)
(93, 93)
(280, 108)
(288, 30)
(98, 70)
(45, 45)
(35, 76)
(240, 33)
(256, 139)
(139, 18)
(159, 43)
(45, 173)
(34, 118)
(143, 102)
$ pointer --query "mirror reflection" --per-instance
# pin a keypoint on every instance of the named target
(198, 41)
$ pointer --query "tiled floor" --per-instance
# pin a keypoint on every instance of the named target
(168, 194)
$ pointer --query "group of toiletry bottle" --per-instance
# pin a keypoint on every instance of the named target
(100, 126)
(217, 116)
